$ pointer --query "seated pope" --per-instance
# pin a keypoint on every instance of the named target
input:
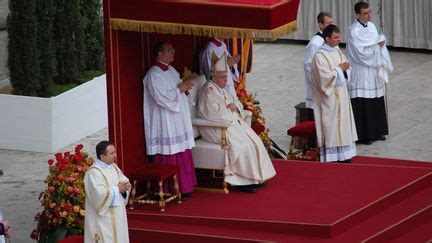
(248, 164)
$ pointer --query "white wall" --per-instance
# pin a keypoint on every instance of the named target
(49, 124)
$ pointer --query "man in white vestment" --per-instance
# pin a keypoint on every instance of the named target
(214, 51)
(107, 192)
(335, 126)
(167, 122)
(371, 63)
(324, 19)
(248, 164)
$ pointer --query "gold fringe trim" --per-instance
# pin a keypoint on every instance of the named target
(202, 30)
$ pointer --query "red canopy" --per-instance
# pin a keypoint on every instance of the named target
(132, 27)
(263, 20)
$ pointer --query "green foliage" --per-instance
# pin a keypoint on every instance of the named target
(52, 43)
(68, 36)
(23, 61)
(93, 34)
(84, 77)
(45, 12)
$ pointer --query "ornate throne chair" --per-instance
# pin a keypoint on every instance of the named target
(207, 155)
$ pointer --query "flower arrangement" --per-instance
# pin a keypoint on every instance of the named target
(64, 198)
(258, 120)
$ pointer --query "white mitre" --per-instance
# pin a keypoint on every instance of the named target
(219, 65)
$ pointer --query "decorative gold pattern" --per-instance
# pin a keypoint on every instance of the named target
(201, 30)
(224, 138)
(336, 91)
(113, 223)
(133, 193)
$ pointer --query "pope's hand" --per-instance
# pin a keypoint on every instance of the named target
(184, 86)
(233, 60)
(232, 107)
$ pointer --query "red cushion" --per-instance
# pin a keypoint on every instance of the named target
(72, 239)
(154, 172)
(304, 129)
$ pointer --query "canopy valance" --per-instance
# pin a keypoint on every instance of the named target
(260, 20)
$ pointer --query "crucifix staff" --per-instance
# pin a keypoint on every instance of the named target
(381, 17)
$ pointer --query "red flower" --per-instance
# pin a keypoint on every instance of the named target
(58, 156)
(51, 189)
(69, 189)
(79, 169)
(60, 178)
(78, 148)
(77, 191)
(50, 162)
(70, 180)
(78, 158)
(61, 165)
(67, 154)
(258, 128)
(67, 207)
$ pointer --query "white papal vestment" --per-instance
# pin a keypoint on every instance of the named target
(247, 159)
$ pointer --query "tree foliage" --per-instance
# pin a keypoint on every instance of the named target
(53, 42)
(23, 56)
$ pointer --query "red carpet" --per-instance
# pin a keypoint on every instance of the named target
(305, 202)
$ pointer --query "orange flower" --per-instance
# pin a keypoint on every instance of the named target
(76, 209)
(52, 205)
(82, 212)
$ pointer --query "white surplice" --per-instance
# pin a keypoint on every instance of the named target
(370, 63)
(247, 159)
(205, 58)
(105, 207)
(334, 120)
(312, 47)
(167, 121)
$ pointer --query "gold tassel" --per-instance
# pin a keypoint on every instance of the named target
(202, 30)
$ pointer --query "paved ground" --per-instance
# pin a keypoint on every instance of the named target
(277, 80)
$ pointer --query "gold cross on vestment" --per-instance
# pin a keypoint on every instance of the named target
(96, 238)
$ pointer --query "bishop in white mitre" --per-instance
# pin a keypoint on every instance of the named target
(248, 163)
(107, 193)
(335, 126)
(214, 51)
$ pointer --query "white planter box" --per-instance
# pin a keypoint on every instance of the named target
(49, 124)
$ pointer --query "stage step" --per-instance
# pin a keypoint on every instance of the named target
(393, 221)
(417, 226)
(414, 207)
(150, 231)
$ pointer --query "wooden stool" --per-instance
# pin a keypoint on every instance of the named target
(154, 172)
